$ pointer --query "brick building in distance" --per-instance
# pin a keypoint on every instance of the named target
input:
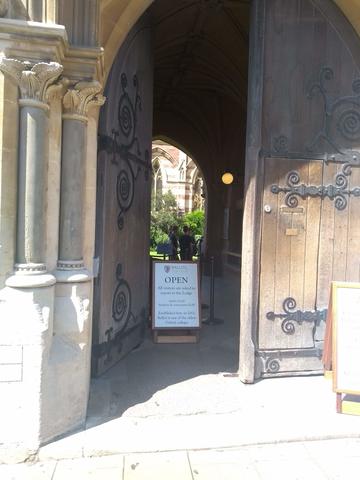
(173, 170)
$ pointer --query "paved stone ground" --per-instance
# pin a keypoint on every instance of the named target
(177, 412)
(327, 459)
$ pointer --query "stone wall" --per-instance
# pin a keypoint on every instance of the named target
(46, 261)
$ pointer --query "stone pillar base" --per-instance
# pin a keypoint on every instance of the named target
(67, 379)
(72, 275)
(26, 332)
(30, 280)
(45, 358)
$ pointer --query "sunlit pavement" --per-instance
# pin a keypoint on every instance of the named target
(327, 459)
(180, 412)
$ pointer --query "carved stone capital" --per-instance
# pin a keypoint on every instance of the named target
(56, 91)
(79, 98)
(33, 80)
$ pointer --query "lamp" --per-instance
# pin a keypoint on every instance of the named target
(227, 178)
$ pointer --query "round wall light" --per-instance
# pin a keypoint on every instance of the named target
(227, 178)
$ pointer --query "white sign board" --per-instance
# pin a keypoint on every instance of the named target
(176, 295)
(347, 337)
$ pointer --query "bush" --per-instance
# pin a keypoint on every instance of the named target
(195, 221)
(165, 214)
(157, 236)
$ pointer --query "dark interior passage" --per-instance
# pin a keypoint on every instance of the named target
(180, 76)
(201, 51)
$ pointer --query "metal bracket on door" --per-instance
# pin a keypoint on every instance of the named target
(294, 189)
(292, 315)
(272, 359)
(125, 144)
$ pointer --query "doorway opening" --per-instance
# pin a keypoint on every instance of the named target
(178, 199)
(181, 74)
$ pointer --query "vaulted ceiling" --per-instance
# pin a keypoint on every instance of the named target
(118, 16)
(201, 48)
(201, 63)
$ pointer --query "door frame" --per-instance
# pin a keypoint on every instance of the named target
(254, 174)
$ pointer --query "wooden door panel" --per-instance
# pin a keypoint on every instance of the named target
(310, 145)
(353, 243)
(288, 255)
(339, 257)
(123, 202)
(326, 243)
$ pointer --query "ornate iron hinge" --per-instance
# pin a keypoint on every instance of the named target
(272, 358)
(121, 305)
(124, 147)
(291, 316)
(294, 189)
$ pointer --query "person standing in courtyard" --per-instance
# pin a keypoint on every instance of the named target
(186, 244)
(173, 238)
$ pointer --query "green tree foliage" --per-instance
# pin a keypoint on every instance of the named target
(165, 214)
(195, 221)
(165, 201)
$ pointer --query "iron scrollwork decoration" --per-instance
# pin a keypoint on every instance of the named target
(272, 359)
(125, 322)
(339, 129)
(272, 365)
(338, 192)
(341, 116)
(291, 315)
(124, 146)
(281, 145)
(105, 349)
(121, 305)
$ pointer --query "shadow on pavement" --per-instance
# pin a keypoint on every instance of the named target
(174, 379)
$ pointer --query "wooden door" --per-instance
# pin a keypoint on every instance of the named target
(310, 177)
(121, 295)
(289, 256)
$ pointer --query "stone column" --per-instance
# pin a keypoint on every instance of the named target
(34, 82)
(76, 102)
(68, 375)
(27, 303)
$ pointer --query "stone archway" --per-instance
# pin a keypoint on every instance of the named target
(61, 318)
(208, 111)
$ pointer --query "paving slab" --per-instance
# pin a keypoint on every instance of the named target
(323, 460)
(339, 468)
(304, 469)
(38, 471)
(103, 468)
(174, 466)
(224, 465)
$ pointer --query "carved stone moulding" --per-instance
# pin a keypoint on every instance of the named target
(70, 265)
(33, 80)
(30, 275)
(39, 42)
(30, 268)
(80, 97)
(71, 271)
